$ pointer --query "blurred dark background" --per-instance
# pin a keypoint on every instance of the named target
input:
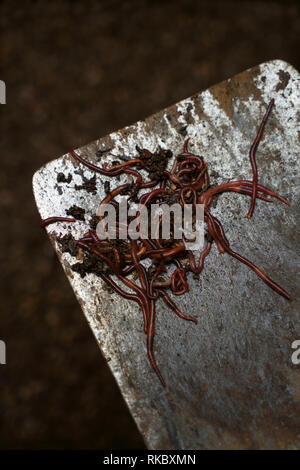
(75, 71)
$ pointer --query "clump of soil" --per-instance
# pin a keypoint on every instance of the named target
(284, 78)
(89, 184)
(61, 178)
(156, 162)
(76, 212)
(68, 244)
(90, 264)
(107, 187)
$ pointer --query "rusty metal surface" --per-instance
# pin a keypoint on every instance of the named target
(231, 381)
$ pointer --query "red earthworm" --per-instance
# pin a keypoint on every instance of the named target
(144, 201)
(127, 270)
(100, 247)
(143, 298)
(242, 190)
(193, 192)
(221, 231)
(117, 259)
(265, 190)
(163, 184)
(167, 252)
(252, 157)
(114, 171)
(184, 182)
(167, 299)
(160, 268)
(199, 267)
(185, 171)
(53, 220)
(150, 338)
(113, 194)
(156, 232)
(160, 284)
(184, 164)
(179, 275)
(247, 192)
(140, 254)
(276, 287)
(149, 184)
(94, 237)
(135, 287)
(258, 271)
(197, 183)
(140, 270)
(97, 252)
(118, 289)
(206, 177)
(196, 159)
(87, 239)
(185, 146)
(244, 183)
(175, 179)
(152, 249)
(126, 295)
(138, 182)
(215, 237)
(108, 199)
(146, 198)
(147, 243)
(150, 288)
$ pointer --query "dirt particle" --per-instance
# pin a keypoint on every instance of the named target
(107, 187)
(284, 78)
(156, 162)
(89, 184)
(59, 190)
(91, 264)
(100, 153)
(214, 174)
(68, 244)
(76, 212)
(61, 178)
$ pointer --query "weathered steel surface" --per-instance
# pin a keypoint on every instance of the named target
(231, 381)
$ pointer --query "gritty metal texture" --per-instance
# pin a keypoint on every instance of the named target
(231, 381)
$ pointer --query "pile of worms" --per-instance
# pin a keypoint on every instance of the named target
(118, 262)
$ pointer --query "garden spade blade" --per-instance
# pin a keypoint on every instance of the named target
(233, 380)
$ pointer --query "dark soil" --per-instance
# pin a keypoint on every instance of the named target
(89, 184)
(61, 178)
(76, 212)
(75, 71)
